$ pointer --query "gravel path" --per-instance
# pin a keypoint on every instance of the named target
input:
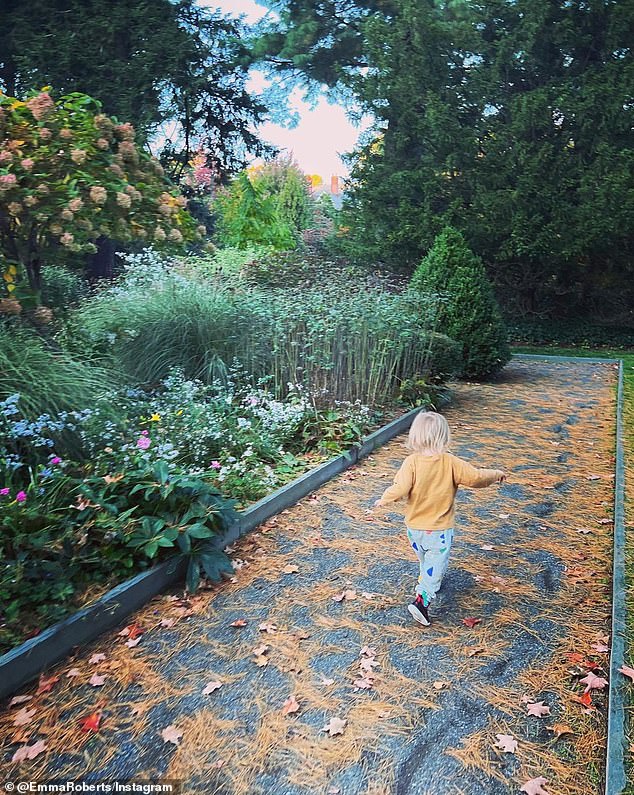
(324, 588)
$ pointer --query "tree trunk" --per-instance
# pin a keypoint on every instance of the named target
(101, 264)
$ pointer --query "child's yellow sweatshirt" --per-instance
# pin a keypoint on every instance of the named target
(430, 483)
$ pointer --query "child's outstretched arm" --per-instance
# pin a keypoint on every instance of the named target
(467, 475)
(401, 487)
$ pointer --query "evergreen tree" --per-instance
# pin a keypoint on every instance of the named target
(169, 67)
(512, 121)
(468, 311)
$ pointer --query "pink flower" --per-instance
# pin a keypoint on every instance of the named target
(56, 460)
(40, 106)
(98, 194)
(123, 200)
(101, 143)
(45, 134)
(20, 496)
(216, 465)
(127, 150)
(78, 156)
(66, 239)
(143, 442)
(124, 131)
(65, 134)
(27, 163)
(5, 156)
(66, 214)
(4, 492)
(74, 205)
(7, 181)
(145, 433)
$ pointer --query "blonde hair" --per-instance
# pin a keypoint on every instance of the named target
(429, 431)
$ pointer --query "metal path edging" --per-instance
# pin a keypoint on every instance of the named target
(31, 658)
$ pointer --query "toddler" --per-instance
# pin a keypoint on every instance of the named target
(429, 478)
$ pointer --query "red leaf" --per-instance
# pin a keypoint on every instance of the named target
(91, 723)
(46, 684)
(471, 622)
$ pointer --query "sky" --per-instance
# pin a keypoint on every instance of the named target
(321, 135)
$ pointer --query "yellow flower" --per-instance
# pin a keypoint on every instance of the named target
(155, 418)
(179, 412)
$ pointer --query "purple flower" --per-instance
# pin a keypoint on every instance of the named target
(144, 433)
(56, 460)
(4, 492)
(216, 465)
(20, 496)
(143, 443)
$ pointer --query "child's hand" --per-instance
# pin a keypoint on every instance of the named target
(378, 503)
(502, 477)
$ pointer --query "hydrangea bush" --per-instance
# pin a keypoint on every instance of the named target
(68, 175)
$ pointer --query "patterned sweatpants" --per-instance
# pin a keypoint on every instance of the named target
(432, 549)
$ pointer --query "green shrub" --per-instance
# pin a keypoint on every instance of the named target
(445, 358)
(51, 556)
(577, 333)
(469, 312)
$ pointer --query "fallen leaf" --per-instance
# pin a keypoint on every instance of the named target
(627, 671)
(133, 642)
(24, 716)
(601, 648)
(368, 651)
(538, 709)
(605, 521)
(593, 682)
(240, 622)
(535, 786)
(347, 595)
(97, 658)
(19, 700)
(585, 699)
(259, 650)
(334, 791)
(368, 663)
(506, 743)
(167, 622)
(45, 685)
(211, 686)
(486, 547)
(261, 661)
(471, 622)
(29, 751)
(132, 631)
(73, 673)
(559, 728)
(504, 515)
(96, 680)
(290, 706)
(440, 685)
(217, 765)
(526, 699)
(91, 723)
(364, 684)
(593, 477)
(301, 635)
(171, 735)
(335, 726)
(21, 736)
(326, 682)
(269, 628)
(290, 569)
(584, 530)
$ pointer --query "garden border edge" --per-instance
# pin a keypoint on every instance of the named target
(27, 661)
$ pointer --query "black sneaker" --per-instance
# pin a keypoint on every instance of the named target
(419, 611)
